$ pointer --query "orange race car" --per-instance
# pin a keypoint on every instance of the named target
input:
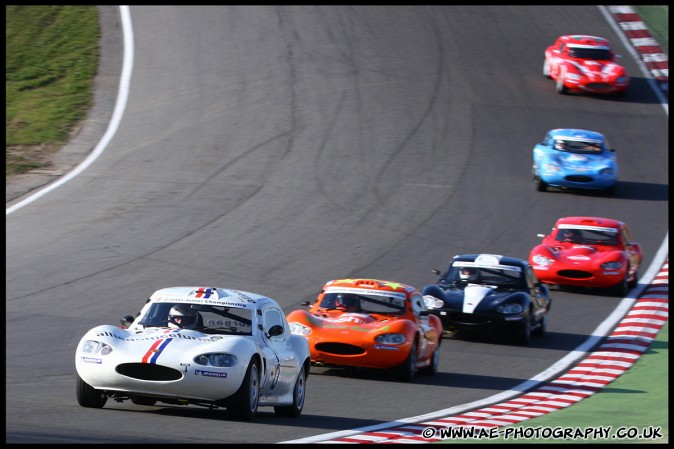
(371, 323)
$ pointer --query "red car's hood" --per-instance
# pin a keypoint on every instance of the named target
(598, 69)
(579, 253)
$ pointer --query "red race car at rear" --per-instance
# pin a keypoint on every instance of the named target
(588, 252)
(582, 63)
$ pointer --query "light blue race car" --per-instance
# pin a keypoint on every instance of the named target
(575, 159)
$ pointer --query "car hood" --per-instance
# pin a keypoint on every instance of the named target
(148, 345)
(475, 298)
(578, 253)
(597, 69)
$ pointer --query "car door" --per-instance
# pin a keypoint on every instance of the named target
(428, 336)
(282, 361)
(538, 297)
(632, 249)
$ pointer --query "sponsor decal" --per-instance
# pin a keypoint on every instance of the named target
(366, 291)
(390, 348)
(200, 372)
(92, 360)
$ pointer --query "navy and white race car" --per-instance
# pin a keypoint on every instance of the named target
(489, 293)
(212, 347)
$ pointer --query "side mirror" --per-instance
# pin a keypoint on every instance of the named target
(305, 303)
(436, 272)
(540, 235)
(275, 330)
(126, 320)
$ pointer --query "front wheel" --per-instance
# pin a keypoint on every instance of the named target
(622, 288)
(561, 88)
(88, 396)
(407, 370)
(542, 327)
(243, 405)
(546, 69)
(432, 369)
(541, 185)
(295, 409)
(522, 333)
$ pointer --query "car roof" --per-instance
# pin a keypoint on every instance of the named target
(577, 134)
(586, 41)
(369, 286)
(590, 221)
(212, 296)
(490, 260)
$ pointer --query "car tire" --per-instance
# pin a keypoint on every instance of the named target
(622, 288)
(541, 185)
(295, 409)
(407, 370)
(546, 69)
(243, 404)
(88, 396)
(431, 369)
(635, 280)
(522, 333)
(561, 88)
(542, 327)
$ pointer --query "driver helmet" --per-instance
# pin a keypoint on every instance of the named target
(468, 273)
(560, 145)
(181, 316)
(570, 235)
(348, 303)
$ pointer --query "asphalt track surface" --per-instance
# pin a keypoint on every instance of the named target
(272, 148)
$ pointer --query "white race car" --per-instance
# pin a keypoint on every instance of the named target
(213, 347)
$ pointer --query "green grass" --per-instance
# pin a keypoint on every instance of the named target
(657, 19)
(638, 399)
(51, 58)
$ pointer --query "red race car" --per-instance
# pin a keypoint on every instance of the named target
(588, 252)
(371, 323)
(581, 63)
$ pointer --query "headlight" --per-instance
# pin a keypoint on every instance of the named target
(611, 266)
(550, 168)
(95, 347)
(390, 339)
(432, 302)
(606, 171)
(573, 76)
(510, 309)
(216, 359)
(299, 329)
(542, 260)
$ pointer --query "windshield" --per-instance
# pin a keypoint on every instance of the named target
(600, 54)
(587, 236)
(210, 319)
(364, 303)
(577, 146)
(495, 276)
